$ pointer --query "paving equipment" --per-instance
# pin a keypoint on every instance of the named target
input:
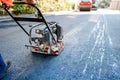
(44, 37)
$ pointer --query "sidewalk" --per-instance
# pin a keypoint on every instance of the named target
(8, 18)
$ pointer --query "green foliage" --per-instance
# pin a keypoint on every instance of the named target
(105, 1)
(44, 5)
(22, 9)
(53, 5)
(72, 5)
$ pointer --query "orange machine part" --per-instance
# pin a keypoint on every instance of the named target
(8, 3)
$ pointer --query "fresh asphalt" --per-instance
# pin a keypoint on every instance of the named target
(92, 49)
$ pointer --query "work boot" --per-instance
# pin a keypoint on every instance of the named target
(8, 63)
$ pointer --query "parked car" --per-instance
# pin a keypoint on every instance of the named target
(85, 5)
(94, 7)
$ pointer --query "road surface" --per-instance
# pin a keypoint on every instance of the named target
(92, 49)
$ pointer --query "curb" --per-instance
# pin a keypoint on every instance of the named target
(8, 18)
(5, 19)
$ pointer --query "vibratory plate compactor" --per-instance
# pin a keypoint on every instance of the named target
(44, 37)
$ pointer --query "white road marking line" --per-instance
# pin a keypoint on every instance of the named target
(85, 68)
(100, 70)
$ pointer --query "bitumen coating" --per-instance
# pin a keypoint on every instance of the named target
(91, 52)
